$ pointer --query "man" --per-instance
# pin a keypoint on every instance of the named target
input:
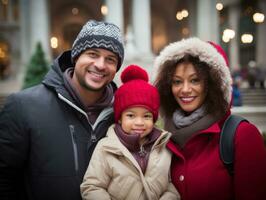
(48, 132)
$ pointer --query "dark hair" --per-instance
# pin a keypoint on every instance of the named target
(215, 101)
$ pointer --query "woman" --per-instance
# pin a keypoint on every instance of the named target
(195, 89)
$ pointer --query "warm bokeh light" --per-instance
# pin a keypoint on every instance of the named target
(104, 10)
(184, 13)
(179, 16)
(225, 39)
(247, 38)
(75, 11)
(54, 42)
(258, 17)
(219, 6)
(229, 33)
(185, 31)
(2, 53)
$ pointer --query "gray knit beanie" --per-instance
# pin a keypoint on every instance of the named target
(95, 34)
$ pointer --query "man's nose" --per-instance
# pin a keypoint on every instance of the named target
(100, 63)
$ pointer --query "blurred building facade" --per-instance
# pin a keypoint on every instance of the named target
(148, 25)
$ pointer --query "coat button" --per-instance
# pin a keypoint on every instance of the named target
(181, 178)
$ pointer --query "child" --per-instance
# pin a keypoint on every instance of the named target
(132, 161)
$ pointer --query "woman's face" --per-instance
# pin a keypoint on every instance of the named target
(188, 87)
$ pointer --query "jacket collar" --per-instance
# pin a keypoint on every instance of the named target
(215, 128)
(115, 146)
(54, 78)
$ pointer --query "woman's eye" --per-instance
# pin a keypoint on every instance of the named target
(195, 80)
(176, 82)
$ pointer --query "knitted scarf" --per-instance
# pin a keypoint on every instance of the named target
(131, 142)
(184, 127)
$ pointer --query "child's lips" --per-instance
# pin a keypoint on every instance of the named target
(138, 131)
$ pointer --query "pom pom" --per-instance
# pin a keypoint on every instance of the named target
(133, 72)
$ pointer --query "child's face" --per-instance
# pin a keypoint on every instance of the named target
(137, 120)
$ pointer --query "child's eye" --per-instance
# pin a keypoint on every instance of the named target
(148, 116)
(129, 115)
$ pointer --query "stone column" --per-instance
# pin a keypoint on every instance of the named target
(24, 31)
(115, 13)
(234, 14)
(192, 7)
(1, 13)
(141, 25)
(261, 39)
(39, 26)
(207, 20)
(10, 17)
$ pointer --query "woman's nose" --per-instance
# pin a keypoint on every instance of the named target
(186, 88)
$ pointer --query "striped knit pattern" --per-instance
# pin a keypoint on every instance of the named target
(96, 34)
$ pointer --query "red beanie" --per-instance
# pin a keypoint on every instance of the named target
(136, 91)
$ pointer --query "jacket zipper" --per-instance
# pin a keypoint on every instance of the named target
(74, 144)
(101, 117)
(142, 151)
(93, 137)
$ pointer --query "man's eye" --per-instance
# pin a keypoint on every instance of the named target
(92, 54)
(112, 61)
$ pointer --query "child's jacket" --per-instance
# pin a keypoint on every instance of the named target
(113, 172)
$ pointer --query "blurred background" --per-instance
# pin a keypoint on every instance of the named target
(148, 25)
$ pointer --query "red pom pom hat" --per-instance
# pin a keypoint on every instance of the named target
(136, 91)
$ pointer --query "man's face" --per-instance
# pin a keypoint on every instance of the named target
(94, 69)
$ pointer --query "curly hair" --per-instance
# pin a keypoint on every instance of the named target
(215, 101)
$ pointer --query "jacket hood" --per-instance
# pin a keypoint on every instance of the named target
(54, 78)
(208, 52)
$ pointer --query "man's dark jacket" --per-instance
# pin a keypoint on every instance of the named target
(46, 140)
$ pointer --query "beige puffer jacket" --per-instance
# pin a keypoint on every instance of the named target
(113, 173)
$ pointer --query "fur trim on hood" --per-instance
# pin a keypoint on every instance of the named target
(208, 52)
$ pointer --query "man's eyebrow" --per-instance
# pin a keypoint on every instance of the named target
(92, 49)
